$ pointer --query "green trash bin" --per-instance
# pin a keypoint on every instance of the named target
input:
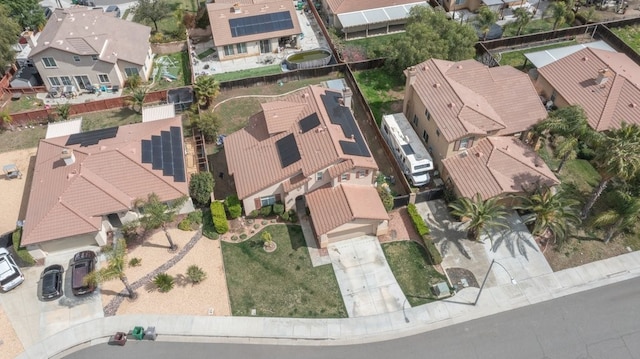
(138, 333)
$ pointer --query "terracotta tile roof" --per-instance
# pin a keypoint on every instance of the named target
(220, 12)
(295, 182)
(495, 166)
(280, 115)
(105, 178)
(607, 105)
(340, 168)
(84, 31)
(468, 97)
(333, 207)
(344, 6)
(252, 156)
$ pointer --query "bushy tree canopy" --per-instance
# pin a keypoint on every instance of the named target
(153, 11)
(27, 13)
(8, 37)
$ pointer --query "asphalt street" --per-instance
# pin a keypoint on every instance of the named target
(599, 323)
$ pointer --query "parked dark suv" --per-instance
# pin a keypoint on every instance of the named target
(51, 282)
(83, 263)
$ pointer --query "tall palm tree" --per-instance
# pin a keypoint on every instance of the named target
(115, 267)
(617, 157)
(572, 127)
(158, 214)
(623, 215)
(480, 215)
(523, 18)
(551, 212)
(485, 19)
(137, 99)
(560, 12)
(207, 89)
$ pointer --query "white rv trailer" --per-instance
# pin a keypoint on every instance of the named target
(408, 149)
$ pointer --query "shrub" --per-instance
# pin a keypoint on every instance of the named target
(253, 214)
(219, 218)
(418, 222)
(130, 230)
(164, 282)
(22, 253)
(135, 262)
(196, 274)
(432, 250)
(195, 216)
(200, 187)
(266, 211)
(293, 216)
(386, 197)
(133, 82)
(278, 208)
(234, 207)
(243, 236)
(285, 216)
(184, 225)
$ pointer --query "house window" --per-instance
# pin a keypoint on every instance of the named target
(241, 48)
(437, 132)
(228, 50)
(131, 71)
(344, 177)
(66, 80)
(49, 62)
(267, 201)
(415, 120)
(54, 81)
(385, 129)
(94, 57)
(76, 58)
(464, 143)
(103, 78)
(425, 136)
(319, 176)
(460, 2)
(427, 115)
(361, 173)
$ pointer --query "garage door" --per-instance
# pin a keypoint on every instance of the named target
(59, 245)
(349, 233)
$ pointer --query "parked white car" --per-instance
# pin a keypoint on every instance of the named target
(10, 274)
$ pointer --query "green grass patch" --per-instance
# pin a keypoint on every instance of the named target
(517, 59)
(533, 27)
(383, 91)
(105, 119)
(373, 45)
(25, 258)
(282, 283)
(410, 265)
(243, 74)
(630, 35)
(25, 103)
(581, 174)
(25, 138)
(206, 53)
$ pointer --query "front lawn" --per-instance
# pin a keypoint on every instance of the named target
(410, 265)
(516, 58)
(383, 91)
(282, 283)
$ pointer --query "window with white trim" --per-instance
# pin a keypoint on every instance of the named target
(94, 57)
(76, 58)
(131, 71)
(241, 48)
(104, 78)
(54, 81)
(228, 50)
(267, 201)
(66, 80)
(415, 120)
(49, 62)
(344, 177)
(319, 176)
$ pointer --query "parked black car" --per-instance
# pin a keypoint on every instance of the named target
(51, 282)
(83, 263)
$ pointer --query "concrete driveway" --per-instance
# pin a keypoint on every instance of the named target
(366, 282)
(33, 319)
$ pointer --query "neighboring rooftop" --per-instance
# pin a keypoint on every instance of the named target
(496, 166)
(377, 15)
(545, 57)
(346, 6)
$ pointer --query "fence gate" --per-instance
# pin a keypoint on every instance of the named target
(400, 201)
(429, 195)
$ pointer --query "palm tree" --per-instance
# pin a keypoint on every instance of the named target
(207, 89)
(617, 157)
(571, 124)
(485, 19)
(523, 17)
(137, 99)
(116, 264)
(480, 215)
(63, 111)
(560, 13)
(551, 212)
(624, 215)
(158, 214)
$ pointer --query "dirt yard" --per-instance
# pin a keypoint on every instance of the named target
(578, 252)
(14, 197)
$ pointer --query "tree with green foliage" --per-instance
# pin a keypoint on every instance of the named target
(63, 111)
(430, 34)
(523, 18)
(27, 13)
(617, 157)
(480, 215)
(137, 99)
(164, 282)
(485, 19)
(207, 89)
(623, 216)
(152, 10)
(8, 37)
(561, 12)
(207, 122)
(201, 186)
(158, 214)
(115, 267)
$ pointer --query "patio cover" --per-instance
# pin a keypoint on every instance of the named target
(379, 15)
(65, 128)
(492, 2)
(545, 57)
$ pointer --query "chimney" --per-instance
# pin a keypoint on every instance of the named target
(68, 157)
(347, 94)
(411, 75)
(236, 8)
(31, 39)
(603, 77)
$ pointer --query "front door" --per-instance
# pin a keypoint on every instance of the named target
(265, 46)
(83, 82)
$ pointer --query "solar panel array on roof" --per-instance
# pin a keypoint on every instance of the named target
(288, 150)
(309, 123)
(341, 115)
(259, 24)
(90, 138)
(164, 152)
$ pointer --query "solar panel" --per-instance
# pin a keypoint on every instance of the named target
(89, 138)
(177, 155)
(167, 154)
(260, 24)
(341, 115)
(147, 153)
(309, 123)
(288, 150)
(156, 152)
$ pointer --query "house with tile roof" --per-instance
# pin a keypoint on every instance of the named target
(306, 142)
(605, 84)
(242, 28)
(86, 183)
(497, 165)
(80, 46)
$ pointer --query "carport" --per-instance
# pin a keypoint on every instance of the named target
(378, 21)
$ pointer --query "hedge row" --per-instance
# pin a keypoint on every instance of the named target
(219, 217)
(234, 207)
(423, 231)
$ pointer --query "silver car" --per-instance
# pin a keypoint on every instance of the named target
(10, 275)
